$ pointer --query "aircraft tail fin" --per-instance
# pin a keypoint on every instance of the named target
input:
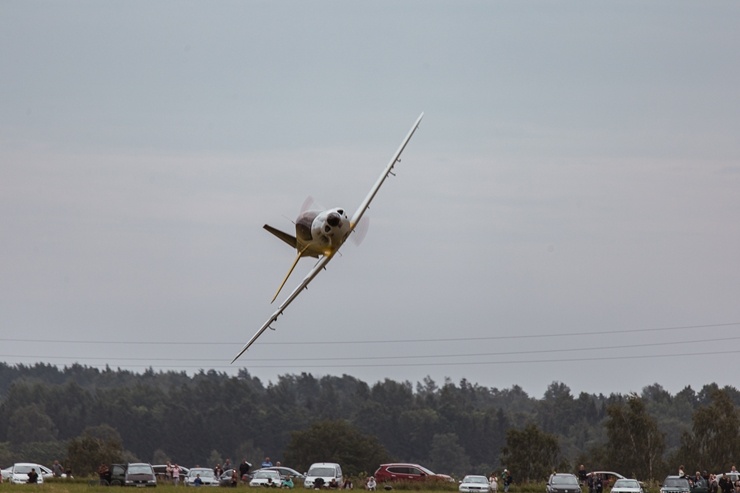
(287, 238)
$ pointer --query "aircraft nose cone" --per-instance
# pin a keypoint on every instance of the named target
(333, 220)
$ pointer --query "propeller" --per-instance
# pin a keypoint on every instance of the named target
(361, 230)
(308, 205)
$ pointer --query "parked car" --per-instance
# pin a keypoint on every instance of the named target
(286, 472)
(474, 484)
(160, 470)
(675, 484)
(116, 474)
(327, 471)
(563, 483)
(225, 479)
(407, 472)
(47, 473)
(207, 476)
(140, 474)
(265, 477)
(608, 478)
(42, 470)
(625, 485)
(19, 472)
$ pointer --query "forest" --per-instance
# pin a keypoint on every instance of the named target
(458, 428)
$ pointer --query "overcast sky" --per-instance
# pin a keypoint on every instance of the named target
(569, 209)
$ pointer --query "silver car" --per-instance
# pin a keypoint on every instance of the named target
(474, 484)
(627, 486)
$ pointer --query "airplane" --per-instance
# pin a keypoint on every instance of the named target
(321, 234)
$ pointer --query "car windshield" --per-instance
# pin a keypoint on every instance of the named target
(569, 480)
(676, 483)
(139, 469)
(204, 473)
(475, 479)
(323, 472)
(23, 469)
(626, 483)
(266, 474)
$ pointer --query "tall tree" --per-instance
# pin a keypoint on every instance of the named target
(635, 444)
(531, 454)
(714, 440)
(101, 444)
(335, 441)
(30, 424)
(447, 456)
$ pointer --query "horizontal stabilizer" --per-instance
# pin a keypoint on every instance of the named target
(287, 238)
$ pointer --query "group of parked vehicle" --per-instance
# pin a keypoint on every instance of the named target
(702, 482)
(599, 481)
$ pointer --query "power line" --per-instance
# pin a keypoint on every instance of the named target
(465, 363)
(436, 356)
(377, 341)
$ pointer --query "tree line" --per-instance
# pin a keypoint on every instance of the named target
(85, 415)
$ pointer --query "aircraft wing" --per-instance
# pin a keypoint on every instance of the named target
(388, 169)
(320, 265)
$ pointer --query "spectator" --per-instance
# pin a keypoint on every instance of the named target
(56, 469)
(507, 478)
(234, 478)
(348, 484)
(244, 469)
(176, 474)
(218, 470)
(681, 474)
(698, 480)
(725, 484)
(266, 463)
(227, 464)
(713, 485)
(493, 483)
(333, 485)
(371, 485)
(33, 476)
(318, 483)
(582, 475)
(287, 483)
(197, 481)
(104, 474)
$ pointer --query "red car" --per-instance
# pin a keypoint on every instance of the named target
(408, 472)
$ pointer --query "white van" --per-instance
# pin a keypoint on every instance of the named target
(327, 471)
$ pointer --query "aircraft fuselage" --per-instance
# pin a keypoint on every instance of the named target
(321, 232)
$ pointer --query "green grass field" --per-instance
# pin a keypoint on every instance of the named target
(81, 485)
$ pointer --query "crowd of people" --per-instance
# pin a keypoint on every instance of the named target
(714, 483)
